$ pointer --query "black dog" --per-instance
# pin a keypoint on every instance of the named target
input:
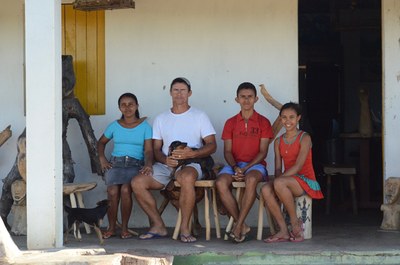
(206, 163)
(92, 217)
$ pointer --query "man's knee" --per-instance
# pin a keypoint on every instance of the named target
(222, 183)
(252, 180)
(138, 183)
(186, 177)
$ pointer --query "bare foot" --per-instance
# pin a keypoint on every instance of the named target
(238, 232)
(297, 228)
(278, 237)
(245, 229)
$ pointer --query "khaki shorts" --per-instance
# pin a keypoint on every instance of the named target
(162, 172)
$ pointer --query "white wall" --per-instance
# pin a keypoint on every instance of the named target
(11, 79)
(391, 87)
(215, 44)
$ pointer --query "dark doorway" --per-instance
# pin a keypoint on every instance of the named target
(339, 56)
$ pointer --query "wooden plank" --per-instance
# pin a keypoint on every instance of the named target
(69, 31)
(91, 60)
(62, 29)
(200, 183)
(80, 59)
(84, 39)
(101, 64)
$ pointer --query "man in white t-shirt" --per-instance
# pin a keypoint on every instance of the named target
(180, 123)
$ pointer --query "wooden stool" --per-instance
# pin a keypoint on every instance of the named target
(207, 185)
(303, 206)
(239, 186)
(304, 211)
(337, 170)
(76, 189)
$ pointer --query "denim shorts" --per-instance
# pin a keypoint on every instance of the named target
(258, 167)
(124, 168)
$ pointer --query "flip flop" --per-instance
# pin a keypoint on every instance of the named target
(151, 235)
(243, 238)
(230, 235)
(187, 238)
(273, 239)
(126, 235)
(107, 234)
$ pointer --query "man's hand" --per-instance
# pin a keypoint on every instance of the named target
(184, 153)
(239, 174)
(171, 161)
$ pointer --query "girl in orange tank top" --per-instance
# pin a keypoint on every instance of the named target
(294, 175)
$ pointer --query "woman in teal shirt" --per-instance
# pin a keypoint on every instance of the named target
(132, 153)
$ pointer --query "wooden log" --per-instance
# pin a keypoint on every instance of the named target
(5, 134)
(21, 156)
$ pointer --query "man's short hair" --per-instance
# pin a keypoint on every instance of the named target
(246, 85)
(180, 80)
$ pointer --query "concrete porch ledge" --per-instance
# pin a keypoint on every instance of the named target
(93, 256)
(337, 239)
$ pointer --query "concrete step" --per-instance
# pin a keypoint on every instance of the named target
(288, 258)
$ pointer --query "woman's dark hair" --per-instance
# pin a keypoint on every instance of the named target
(291, 105)
(132, 96)
(180, 80)
(246, 85)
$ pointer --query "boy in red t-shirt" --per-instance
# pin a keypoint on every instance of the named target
(246, 139)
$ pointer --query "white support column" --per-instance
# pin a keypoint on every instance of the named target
(391, 87)
(43, 123)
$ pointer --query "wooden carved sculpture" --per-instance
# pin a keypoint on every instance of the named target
(17, 173)
(391, 209)
(365, 125)
(72, 108)
(18, 191)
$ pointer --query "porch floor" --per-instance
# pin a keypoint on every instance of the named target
(340, 238)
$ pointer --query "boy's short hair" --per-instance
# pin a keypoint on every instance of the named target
(180, 80)
(246, 85)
